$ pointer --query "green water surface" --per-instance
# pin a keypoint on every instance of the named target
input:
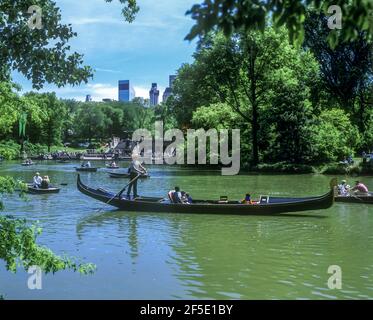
(182, 256)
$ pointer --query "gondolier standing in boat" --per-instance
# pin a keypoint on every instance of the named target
(135, 171)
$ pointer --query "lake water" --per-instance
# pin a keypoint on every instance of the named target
(172, 256)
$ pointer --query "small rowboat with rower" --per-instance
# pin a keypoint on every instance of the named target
(34, 190)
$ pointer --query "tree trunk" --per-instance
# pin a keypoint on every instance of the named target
(254, 133)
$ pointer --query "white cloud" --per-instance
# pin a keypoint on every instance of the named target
(101, 91)
(143, 91)
(107, 70)
(98, 20)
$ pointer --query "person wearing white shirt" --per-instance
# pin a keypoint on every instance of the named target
(37, 180)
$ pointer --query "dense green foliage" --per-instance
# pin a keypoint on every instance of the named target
(42, 55)
(9, 150)
(52, 121)
(232, 16)
(282, 97)
(346, 72)
(333, 136)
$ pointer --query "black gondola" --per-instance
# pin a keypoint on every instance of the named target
(274, 205)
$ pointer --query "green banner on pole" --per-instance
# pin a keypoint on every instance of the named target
(22, 124)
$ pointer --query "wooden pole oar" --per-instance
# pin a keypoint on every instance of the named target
(121, 191)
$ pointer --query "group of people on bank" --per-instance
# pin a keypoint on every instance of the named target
(359, 189)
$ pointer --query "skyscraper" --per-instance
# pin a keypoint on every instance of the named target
(166, 94)
(125, 91)
(168, 90)
(88, 98)
(154, 95)
(171, 80)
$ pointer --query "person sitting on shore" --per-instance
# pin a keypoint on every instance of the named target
(247, 199)
(360, 189)
(175, 195)
(44, 183)
(37, 180)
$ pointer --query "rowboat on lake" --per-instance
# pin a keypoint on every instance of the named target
(26, 164)
(267, 206)
(33, 190)
(109, 166)
(118, 175)
(86, 169)
(368, 199)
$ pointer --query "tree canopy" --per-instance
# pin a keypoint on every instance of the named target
(43, 54)
(231, 16)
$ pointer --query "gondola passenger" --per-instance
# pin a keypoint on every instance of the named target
(175, 195)
(186, 198)
(247, 199)
(189, 198)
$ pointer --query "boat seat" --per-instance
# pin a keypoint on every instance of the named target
(223, 199)
(263, 199)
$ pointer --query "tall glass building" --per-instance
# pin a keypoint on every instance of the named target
(153, 95)
(168, 90)
(125, 91)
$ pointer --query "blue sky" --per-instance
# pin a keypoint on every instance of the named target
(146, 51)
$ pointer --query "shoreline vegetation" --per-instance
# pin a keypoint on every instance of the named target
(332, 168)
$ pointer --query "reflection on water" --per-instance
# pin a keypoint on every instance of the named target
(160, 256)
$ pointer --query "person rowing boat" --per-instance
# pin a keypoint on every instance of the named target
(360, 189)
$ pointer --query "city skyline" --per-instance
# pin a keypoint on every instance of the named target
(124, 53)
